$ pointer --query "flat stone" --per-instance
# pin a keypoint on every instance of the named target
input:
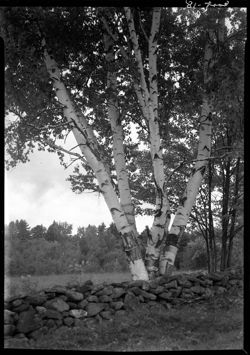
(58, 289)
(148, 295)
(72, 305)
(197, 289)
(92, 298)
(136, 290)
(52, 314)
(8, 317)
(94, 308)
(215, 276)
(84, 288)
(116, 305)
(36, 299)
(157, 290)
(167, 279)
(165, 295)
(9, 329)
(131, 302)
(120, 313)
(28, 321)
(106, 291)
(105, 299)
(82, 304)
(40, 309)
(17, 303)
(57, 304)
(21, 308)
(145, 286)
(193, 279)
(185, 283)
(106, 314)
(74, 296)
(63, 297)
(153, 284)
(171, 284)
(78, 313)
(118, 292)
(177, 292)
(69, 321)
(136, 283)
(96, 288)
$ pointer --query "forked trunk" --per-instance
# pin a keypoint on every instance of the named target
(204, 147)
(87, 142)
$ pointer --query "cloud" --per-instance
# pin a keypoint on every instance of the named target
(38, 192)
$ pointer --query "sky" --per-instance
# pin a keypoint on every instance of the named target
(38, 192)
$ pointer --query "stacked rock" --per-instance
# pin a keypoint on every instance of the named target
(28, 316)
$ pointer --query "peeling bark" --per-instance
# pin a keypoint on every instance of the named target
(117, 131)
(203, 154)
(89, 148)
(147, 95)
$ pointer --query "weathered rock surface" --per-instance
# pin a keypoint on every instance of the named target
(57, 304)
(28, 321)
(78, 313)
(30, 316)
(94, 308)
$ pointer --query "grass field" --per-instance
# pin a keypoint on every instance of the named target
(19, 285)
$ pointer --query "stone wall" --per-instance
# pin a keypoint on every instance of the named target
(29, 316)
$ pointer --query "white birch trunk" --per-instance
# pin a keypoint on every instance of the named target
(204, 149)
(117, 132)
(148, 101)
(87, 143)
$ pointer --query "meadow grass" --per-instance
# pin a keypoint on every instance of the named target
(21, 285)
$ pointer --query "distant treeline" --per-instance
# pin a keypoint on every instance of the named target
(42, 251)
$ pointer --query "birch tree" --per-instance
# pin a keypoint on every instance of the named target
(93, 72)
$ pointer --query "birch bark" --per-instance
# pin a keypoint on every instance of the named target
(117, 132)
(147, 95)
(203, 154)
(86, 140)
